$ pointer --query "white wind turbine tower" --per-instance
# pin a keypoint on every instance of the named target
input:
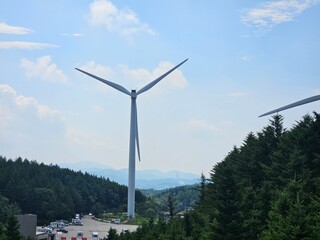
(134, 136)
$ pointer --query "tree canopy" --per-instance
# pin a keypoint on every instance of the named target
(55, 193)
(267, 188)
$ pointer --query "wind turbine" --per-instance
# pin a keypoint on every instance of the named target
(134, 136)
(295, 104)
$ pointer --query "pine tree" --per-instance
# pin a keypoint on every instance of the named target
(202, 193)
(12, 231)
(112, 234)
(171, 205)
(227, 220)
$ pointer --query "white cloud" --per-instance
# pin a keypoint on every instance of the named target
(19, 110)
(200, 124)
(26, 45)
(122, 21)
(317, 91)
(27, 127)
(247, 57)
(97, 109)
(97, 69)
(138, 77)
(8, 29)
(73, 34)
(7, 96)
(270, 13)
(10, 99)
(36, 131)
(174, 80)
(44, 69)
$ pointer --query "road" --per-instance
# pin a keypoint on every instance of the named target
(91, 225)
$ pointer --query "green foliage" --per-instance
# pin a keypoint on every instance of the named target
(9, 227)
(12, 230)
(202, 191)
(268, 188)
(54, 193)
(171, 206)
(184, 197)
(112, 234)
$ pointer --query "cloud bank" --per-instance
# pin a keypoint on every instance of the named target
(138, 77)
(27, 125)
(268, 14)
(122, 21)
(26, 45)
(36, 131)
(9, 29)
(44, 69)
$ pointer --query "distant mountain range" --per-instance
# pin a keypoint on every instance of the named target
(145, 179)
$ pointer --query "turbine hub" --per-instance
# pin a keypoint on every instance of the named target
(133, 93)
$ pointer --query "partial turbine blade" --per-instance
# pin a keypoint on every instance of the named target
(154, 82)
(295, 104)
(137, 132)
(111, 84)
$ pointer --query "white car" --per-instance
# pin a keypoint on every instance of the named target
(95, 236)
(45, 229)
(117, 221)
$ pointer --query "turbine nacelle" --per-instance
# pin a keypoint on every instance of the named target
(133, 93)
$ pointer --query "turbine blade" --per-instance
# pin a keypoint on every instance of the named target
(137, 132)
(111, 84)
(154, 82)
(295, 104)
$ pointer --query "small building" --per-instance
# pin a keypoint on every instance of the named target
(28, 225)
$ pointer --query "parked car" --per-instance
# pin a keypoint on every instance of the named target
(77, 222)
(95, 236)
(45, 229)
(57, 224)
(116, 221)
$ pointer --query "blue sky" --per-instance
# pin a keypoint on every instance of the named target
(245, 58)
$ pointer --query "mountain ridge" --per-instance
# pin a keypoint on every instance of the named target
(145, 179)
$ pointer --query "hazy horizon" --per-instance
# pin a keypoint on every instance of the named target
(245, 58)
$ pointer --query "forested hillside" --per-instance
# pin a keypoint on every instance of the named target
(54, 193)
(268, 188)
(183, 197)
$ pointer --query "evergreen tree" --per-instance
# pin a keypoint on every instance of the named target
(202, 192)
(171, 205)
(227, 220)
(112, 234)
(54, 193)
(292, 218)
(12, 230)
(268, 188)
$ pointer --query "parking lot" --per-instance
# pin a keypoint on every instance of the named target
(91, 225)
